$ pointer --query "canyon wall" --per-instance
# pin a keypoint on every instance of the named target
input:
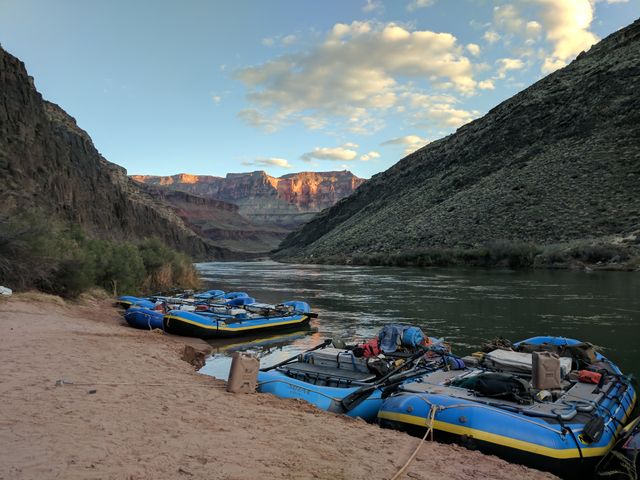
(284, 202)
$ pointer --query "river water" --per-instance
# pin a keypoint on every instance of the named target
(465, 306)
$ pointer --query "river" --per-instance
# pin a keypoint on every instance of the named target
(465, 306)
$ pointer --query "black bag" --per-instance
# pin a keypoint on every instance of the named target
(497, 385)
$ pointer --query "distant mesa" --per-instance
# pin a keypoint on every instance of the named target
(48, 163)
(284, 202)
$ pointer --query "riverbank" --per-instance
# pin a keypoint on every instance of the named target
(135, 409)
(611, 254)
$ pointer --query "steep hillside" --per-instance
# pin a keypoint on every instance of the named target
(47, 162)
(285, 202)
(218, 221)
(557, 162)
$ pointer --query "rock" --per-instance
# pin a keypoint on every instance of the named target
(286, 201)
(48, 162)
(569, 142)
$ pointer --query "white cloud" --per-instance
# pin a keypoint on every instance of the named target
(356, 73)
(507, 64)
(491, 37)
(533, 28)
(566, 23)
(415, 4)
(313, 123)
(473, 49)
(373, 6)
(216, 99)
(257, 119)
(342, 153)
(486, 85)
(437, 111)
(410, 142)
(278, 39)
(288, 39)
(507, 17)
(369, 156)
(269, 162)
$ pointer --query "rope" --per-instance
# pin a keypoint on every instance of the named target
(432, 416)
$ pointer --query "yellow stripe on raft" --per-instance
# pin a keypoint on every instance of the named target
(563, 454)
(238, 329)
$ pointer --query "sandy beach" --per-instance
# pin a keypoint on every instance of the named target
(86, 397)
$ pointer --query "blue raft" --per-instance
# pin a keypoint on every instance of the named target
(329, 377)
(144, 318)
(566, 434)
(211, 325)
(324, 397)
(127, 301)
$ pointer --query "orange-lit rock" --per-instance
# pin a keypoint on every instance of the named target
(286, 201)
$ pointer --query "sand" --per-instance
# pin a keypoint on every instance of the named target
(137, 410)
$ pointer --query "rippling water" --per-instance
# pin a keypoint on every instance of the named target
(466, 306)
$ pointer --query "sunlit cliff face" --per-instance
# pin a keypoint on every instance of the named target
(308, 190)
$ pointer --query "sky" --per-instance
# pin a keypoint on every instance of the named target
(212, 87)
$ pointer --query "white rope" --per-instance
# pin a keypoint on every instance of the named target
(431, 420)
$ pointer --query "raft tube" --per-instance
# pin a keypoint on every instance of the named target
(210, 295)
(125, 301)
(144, 318)
(517, 434)
(325, 398)
(209, 325)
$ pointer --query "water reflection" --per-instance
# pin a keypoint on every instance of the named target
(467, 307)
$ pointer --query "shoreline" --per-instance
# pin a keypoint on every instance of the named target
(88, 397)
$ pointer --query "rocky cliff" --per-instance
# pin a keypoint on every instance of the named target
(286, 201)
(557, 162)
(48, 163)
(218, 221)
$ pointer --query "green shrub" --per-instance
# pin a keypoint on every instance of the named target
(598, 253)
(38, 253)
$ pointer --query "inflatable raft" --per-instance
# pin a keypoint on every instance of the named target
(242, 321)
(127, 301)
(144, 318)
(344, 380)
(565, 431)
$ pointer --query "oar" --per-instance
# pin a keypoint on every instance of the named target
(354, 399)
(317, 347)
(281, 311)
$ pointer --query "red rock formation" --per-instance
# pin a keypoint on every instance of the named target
(286, 201)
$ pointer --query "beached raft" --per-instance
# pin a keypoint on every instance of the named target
(244, 321)
(205, 299)
(352, 382)
(565, 431)
(127, 301)
(144, 318)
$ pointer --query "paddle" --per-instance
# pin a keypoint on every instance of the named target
(281, 311)
(317, 347)
(354, 399)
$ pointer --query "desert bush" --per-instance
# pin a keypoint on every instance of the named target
(38, 253)
(598, 253)
(26, 253)
(512, 254)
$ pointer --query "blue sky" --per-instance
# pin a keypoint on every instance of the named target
(211, 87)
